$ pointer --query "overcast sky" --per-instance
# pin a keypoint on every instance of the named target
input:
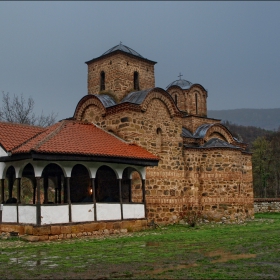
(230, 48)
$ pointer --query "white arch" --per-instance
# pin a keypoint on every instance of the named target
(4, 167)
(66, 167)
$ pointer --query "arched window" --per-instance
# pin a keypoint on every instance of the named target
(136, 81)
(102, 81)
(196, 105)
(176, 99)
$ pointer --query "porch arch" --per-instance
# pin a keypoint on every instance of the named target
(80, 184)
(28, 184)
(53, 178)
(106, 185)
(132, 186)
(11, 177)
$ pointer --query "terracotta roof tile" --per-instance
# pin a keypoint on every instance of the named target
(79, 138)
(13, 134)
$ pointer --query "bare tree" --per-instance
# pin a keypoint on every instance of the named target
(18, 110)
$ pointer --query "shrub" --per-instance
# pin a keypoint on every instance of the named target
(191, 217)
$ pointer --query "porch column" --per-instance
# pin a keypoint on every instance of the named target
(59, 189)
(10, 185)
(55, 195)
(2, 191)
(144, 195)
(129, 190)
(18, 197)
(46, 187)
(65, 190)
(94, 197)
(120, 194)
(18, 190)
(38, 202)
(68, 198)
(34, 190)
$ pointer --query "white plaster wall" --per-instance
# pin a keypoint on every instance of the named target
(82, 212)
(133, 211)
(27, 214)
(2, 168)
(9, 214)
(54, 214)
(2, 152)
(105, 211)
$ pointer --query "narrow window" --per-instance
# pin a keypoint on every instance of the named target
(102, 81)
(136, 80)
(159, 140)
(196, 103)
(176, 100)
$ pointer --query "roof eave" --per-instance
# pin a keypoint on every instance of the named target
(70, 157)
(120, 51)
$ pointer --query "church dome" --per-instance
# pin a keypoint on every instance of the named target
(121, 47)
(184, 84)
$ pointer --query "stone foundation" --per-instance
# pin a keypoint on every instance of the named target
(64, 231)
(262, 205)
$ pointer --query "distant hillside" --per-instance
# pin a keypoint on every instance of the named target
(247, 134)
(265, 118)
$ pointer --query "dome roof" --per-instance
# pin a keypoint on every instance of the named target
(121, 47)
(106, 100)
(218, 143)
(184, 84)
(136, 97)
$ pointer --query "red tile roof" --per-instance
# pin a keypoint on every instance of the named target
(13, 134)
(70, 137)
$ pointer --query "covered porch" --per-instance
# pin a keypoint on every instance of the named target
(66, 192)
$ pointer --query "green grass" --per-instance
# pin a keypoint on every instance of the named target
(245, 251)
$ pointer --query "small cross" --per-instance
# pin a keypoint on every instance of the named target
(180, 75)
(120, 42)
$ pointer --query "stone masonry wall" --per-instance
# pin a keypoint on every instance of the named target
(66, 231)
(220, 183)
(186, 100)
(119, 74)
(215, 181)
(190, 97)
(181, 103)
(262, 205)
(165, 182)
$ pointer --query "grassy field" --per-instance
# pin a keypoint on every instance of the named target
(250, 250)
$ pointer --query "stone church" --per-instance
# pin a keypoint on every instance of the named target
(130, 151)
(201, 166)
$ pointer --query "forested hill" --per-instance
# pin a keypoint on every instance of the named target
(265, 118)
(247, 134)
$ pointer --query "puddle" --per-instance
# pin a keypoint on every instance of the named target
(40, 259)
(176, 267)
